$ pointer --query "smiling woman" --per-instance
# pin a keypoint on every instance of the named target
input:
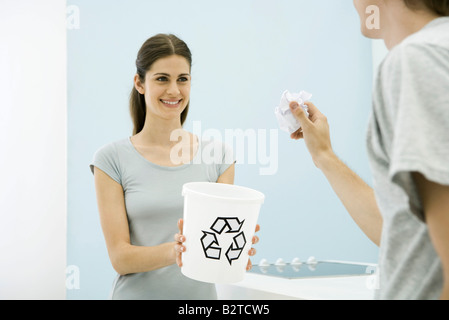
(157, 47)
(172, 90)
(138, 185)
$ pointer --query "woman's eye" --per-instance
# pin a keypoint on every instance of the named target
(165, 79)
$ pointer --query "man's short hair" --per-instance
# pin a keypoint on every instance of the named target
(440, 7)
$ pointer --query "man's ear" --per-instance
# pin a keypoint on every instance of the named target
(138, 84)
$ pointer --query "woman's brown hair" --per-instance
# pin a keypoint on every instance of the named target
(440, 7)
(156, 47)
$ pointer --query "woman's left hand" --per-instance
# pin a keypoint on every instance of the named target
(252, 251)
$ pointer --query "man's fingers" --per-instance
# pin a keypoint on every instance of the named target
(297, 134)
(299, 113)
(311, 108)
(314, 112)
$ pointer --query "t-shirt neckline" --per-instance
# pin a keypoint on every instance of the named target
(172, 168)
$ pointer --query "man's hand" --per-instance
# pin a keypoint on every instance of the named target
(314, 130)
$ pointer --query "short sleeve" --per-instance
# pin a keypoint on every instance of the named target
(107, 160)
(227, 160)
(421, 129)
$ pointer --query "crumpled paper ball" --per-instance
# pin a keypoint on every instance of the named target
(286, 119)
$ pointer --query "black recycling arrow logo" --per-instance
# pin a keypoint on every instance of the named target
(211, 246)
(208, 240)
(236, 248)
(231, 224)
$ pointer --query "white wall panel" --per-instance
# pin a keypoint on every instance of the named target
(33, 149)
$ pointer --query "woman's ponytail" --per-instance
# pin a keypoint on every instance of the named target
(137, 109)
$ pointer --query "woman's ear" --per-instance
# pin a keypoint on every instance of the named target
(138, 84)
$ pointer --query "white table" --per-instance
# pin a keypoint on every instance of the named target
(266, 287)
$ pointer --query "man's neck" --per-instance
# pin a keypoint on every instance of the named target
(403, 22)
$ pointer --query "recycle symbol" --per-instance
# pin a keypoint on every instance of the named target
(211, 246)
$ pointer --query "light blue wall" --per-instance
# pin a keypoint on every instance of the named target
(246, 53)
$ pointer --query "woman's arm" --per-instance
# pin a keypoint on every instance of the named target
(435, 200)
(357, 197)
(125, 258)
(227, 176)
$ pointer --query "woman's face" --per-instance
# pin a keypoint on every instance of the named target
(166, 87)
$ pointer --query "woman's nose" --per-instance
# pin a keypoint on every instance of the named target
(173, 89)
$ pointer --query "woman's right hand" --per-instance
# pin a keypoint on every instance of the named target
(314, 130)
(179, 247)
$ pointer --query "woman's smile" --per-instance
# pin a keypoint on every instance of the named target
(170, 103)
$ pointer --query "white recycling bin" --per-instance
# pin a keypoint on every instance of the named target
(219, 224)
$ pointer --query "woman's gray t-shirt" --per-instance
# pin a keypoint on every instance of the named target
(154, 204)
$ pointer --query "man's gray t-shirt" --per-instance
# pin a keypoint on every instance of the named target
(154, 204)
(409, 132)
